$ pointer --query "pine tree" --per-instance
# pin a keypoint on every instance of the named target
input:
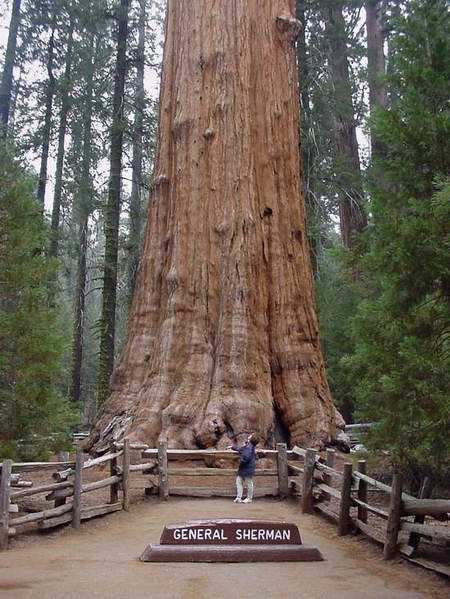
(7, 76)
(65, 84)
(112, 216)
(352, 217)
(49, 95)
(402, 359)
(31, 340)
(136, 219)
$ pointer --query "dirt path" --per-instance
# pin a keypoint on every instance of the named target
(100, 562)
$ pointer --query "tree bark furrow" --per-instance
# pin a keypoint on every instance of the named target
(223, 332)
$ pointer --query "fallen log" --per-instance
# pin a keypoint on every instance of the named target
(22, 484)
(426, 507)
(427, 530)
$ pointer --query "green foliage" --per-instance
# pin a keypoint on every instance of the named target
(402, 333)
(31, 339)
(338, 296)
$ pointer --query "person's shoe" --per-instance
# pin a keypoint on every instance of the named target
(237, 500)
(247, 500)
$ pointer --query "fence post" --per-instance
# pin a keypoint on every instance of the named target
(426, 489)
(344, 507)
(114, 489)
(308, 481)
(5, 487)
(330, 460)
(162, 468)
(283, 481)
(126, 474)
(362, 491)
(77, 487)
(395, 512)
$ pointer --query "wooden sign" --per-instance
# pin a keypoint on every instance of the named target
(230, 540)
(231, 532)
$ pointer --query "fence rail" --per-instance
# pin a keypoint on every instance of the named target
(341, 495)
(352, 504)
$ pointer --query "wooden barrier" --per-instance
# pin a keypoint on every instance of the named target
(315, 487)
(362, 493)
(126, 475)
(308, 481)
(5, 486)
(282, 463)
(77, 488)
(114, 489)
(330, 461)
(393, 522)
(163, 472)
(345, 503)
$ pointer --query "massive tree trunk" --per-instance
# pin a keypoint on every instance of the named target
(351, 212)
(7, 76)
(223, 335)
(112, 216)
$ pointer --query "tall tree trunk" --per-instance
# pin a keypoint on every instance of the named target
(7, 76)
(82, 212)
(107, 323)
(65, 105)
(306, 147)
(138, 131)
(352, 217)
(223, 335)
(375, 61)
(46, 131)
(395, 13)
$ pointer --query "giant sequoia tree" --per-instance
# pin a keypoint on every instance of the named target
(223, 336)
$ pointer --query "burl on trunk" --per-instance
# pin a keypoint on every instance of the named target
(223, 335)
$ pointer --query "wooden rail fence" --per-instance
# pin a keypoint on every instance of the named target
(342, 495)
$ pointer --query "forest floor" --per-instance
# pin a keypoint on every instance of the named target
(100, 561)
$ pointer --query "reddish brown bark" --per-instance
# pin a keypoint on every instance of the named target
(223, 333)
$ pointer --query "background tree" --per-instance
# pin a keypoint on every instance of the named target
(352, 217)
(7, 76)
(31, 340)
(112, 217)
(402, 357)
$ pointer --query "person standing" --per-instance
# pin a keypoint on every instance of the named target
(246, 470)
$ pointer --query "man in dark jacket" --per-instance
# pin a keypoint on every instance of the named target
(246, 470)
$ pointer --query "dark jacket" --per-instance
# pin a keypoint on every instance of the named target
(247, 463)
